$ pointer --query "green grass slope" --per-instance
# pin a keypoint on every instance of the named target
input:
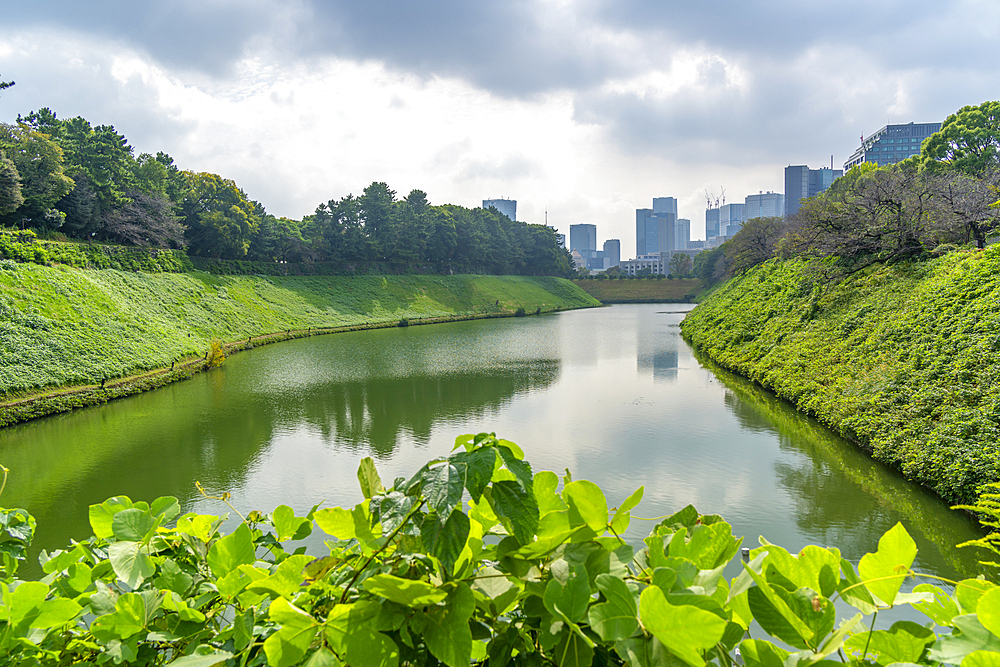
(903, 359)
(641, 291)
(60, 325)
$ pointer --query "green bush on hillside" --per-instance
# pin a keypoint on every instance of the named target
(902, 358)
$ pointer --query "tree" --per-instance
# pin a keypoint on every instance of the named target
(376, 209)
(4, 85)
(146, 219)
(39, 162)
(10, 186)
(221, 221)
(964, 204)
(968, 141)
(755, 243)
(680, 264)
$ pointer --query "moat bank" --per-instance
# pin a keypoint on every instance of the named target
(902, 359)
(64, 327)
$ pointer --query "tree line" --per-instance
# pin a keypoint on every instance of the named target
(946, 196)
(67, 176)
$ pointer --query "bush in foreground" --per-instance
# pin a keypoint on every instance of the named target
(521, 574)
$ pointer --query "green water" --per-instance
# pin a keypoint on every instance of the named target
(614, 394)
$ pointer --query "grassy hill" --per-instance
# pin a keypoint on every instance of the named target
(61, 325)
(903, 359)
(641, 291)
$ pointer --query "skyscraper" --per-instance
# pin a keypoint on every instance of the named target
(656, 228)
(802, 182)
(583, 239)
(730, 219)
(764, 205)
(712, 223)
(613, 252)
(506, 206)
(891, 144)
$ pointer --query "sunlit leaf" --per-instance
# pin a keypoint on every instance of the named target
(443, 486)
(289, 644)
(885, 570)
(617, 618)
(445, 541)
(131, 562)
(447, 634)
(231, 551)
(587, 505)
(408, 592)
(371, 483)
(686, 631)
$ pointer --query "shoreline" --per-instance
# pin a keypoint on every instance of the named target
(20, 409)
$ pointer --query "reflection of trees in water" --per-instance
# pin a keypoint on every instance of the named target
(844, 498)
(159, 443)
(372, 413)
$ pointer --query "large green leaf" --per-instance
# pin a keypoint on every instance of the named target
(166, 507)
(760, 653)
(544, 488)
(476, 467)
(131, 562)
(645, 652)
(443, 486)
(905, 641)
(572, 649)
(567, 594)
(941, 609)
(885, 570)
(686, 631)
(708, 547)
(971, 637)
(289, 644)
(981, 659)
(203, 656)
(408, 592)
(288, 526)
(231, 551)
(350, 632)
(101, 516)
(587, 505)
(346, 524)
(622, 517)
(518, 466)
(853, 591)
(445, 540)
(447, 634)
(774, 615)
(371, 483)
(285, 581)
(393, 508)
(616, 618)
(134, 525)
(988, 610)
(132, 612)
(970, 591)
(515, 508)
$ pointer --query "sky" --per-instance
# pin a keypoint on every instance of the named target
(581, 110)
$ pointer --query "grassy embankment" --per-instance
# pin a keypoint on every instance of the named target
(903, 359)
(64, 327)
(641, 291)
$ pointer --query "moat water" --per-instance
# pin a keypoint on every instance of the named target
(613, 394)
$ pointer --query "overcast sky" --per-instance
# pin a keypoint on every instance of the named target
(585, 108)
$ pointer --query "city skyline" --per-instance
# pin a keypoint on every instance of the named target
(585, 110)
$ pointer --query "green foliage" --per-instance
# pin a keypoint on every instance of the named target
(968, 141)
(902, 358)
(26, 247)
(216, 355)
(475, 559)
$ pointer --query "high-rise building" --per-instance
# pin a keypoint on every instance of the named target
(764, 205)
(682, 234)
(801, 182)
(506, 206)
(891, 144)
(656, 229)
(613, 252)
(730, 219)
(711, 223)
(583, 239)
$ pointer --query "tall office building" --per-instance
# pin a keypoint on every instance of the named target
(711, 223)
(801, 182)
(682, 234)
(730, 219)
(613, 252)
(506, 206)
(764, 205)
(656, 228)
(583, 239)
(891, 144)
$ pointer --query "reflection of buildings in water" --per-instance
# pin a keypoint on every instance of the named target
(657, 351)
